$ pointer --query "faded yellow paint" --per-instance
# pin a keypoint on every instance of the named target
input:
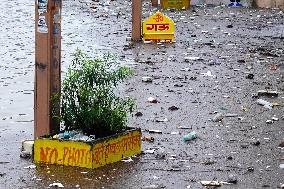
(89, 155)
(177, 4)
(158, 27)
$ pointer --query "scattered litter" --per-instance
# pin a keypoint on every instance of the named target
(264, 103)
(218, 117)
(193, 58)
(162, 120)
(214, 183)
(208, 162)
(151, 187)
(27, 149)
(148, 138)
(245, 109)
(175, 133)
(232, 179)
(160, 154)
(74, 135)
(208, 73)
(155, 131)
(275, 118)
(255, 142)
(30, 167)
(189, 136)
(231, 115)
(155, 177)
(250, 169)
(147, 79)
(152, 100)
(127, 160)
(150, 151)
(58, 185)
(269, 121)
(183, 127)
(267, 93)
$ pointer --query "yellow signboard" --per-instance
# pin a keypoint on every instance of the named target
(158, 27)
(87, 154)
(177, 4)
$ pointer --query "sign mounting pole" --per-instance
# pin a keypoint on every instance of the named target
(47, 66)
(136, 19)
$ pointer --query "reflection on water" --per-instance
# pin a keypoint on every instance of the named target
(71, 177)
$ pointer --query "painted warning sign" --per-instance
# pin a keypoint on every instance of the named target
(158, 27)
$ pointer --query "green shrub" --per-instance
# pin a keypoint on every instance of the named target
(88, 101)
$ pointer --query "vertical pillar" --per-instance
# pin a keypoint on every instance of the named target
(47, 66)
(136, 19)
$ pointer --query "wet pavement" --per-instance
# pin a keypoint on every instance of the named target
(221, 57)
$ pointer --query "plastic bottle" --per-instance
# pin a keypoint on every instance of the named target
(264, 103)
(189, 136)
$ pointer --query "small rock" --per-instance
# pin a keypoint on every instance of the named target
(241, 61)
(281, 145)
(255, 142)
(138, 114)
(250, 76)
(244, 145)
(230, 158)
(173, 108)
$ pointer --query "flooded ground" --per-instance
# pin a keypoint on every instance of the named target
(221, 57)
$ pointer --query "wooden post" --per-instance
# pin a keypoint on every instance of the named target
(47, 66)
(136, 19)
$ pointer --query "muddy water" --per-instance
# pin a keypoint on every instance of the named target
(230, 43)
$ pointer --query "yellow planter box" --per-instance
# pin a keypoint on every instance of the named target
(88, 154)
(177, 4)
